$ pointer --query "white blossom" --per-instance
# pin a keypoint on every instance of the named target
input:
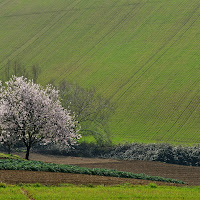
(31, 113)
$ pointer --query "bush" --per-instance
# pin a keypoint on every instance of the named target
(136, 151)
(152, 185)
(84, 149)
(3, 185)
(157, 152)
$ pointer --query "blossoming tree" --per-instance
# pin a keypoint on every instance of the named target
(32, 114)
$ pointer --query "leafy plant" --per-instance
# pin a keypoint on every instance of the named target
(51, 167)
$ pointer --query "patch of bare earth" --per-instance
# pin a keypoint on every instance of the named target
(189, 174)
(55, 178)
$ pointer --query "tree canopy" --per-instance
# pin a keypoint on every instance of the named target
(91, 110)
(32, 114)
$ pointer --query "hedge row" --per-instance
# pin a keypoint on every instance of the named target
(157, 152)
(181, 155)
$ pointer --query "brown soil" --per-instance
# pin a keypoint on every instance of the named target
(189, 174)
(55, 178)
(64, 159)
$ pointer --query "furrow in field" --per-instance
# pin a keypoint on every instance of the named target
(34, 13)
(184, 116)
(185, 30)
(177, 106)
(71, 19)
(62, 10)
(46, 12)
(181, 105)
(4, 3)
(154, 58)
(109, 36)
(188, 119)
(68, 41)
(172, 114)
(26, 193)
(24, 45)
(148, 107)
(160, 52)
(128, 38)
(50, 23)
(143, 55)
(169, 132)
(113, 34)
(98, 42)
(177, 39)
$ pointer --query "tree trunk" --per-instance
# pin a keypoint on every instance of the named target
(27, 152)
(9, 149)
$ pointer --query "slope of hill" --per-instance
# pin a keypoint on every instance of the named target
(142, 54)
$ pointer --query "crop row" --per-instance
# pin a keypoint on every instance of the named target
(9, 164)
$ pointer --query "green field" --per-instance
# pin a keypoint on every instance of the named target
(99, 192)
(13, 193)
(142, 54)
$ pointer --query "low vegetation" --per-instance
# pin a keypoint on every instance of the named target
(125, 191)
(9, 156)
(10, 164)
(157, 152)
(182, 155)
(11, 192)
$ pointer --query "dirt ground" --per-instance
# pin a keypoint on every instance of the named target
(189, 174)
(54, 178)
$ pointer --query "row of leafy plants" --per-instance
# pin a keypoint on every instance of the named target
(10, 164)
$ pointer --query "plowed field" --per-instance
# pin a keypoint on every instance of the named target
(189, 174)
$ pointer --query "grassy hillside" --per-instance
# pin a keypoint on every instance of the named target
(142, 54)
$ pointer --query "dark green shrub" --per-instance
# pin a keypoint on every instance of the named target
(152, 185)
(3, 185)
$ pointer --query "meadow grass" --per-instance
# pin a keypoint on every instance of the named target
(142, 54)
(125, 191)
(11, 192)
(114, 192)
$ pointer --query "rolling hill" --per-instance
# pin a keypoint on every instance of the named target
(144, 55)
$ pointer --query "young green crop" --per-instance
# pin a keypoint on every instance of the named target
(142, 55)
(126, 191)
(9, 156)
(114, 192)
(11, 192)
